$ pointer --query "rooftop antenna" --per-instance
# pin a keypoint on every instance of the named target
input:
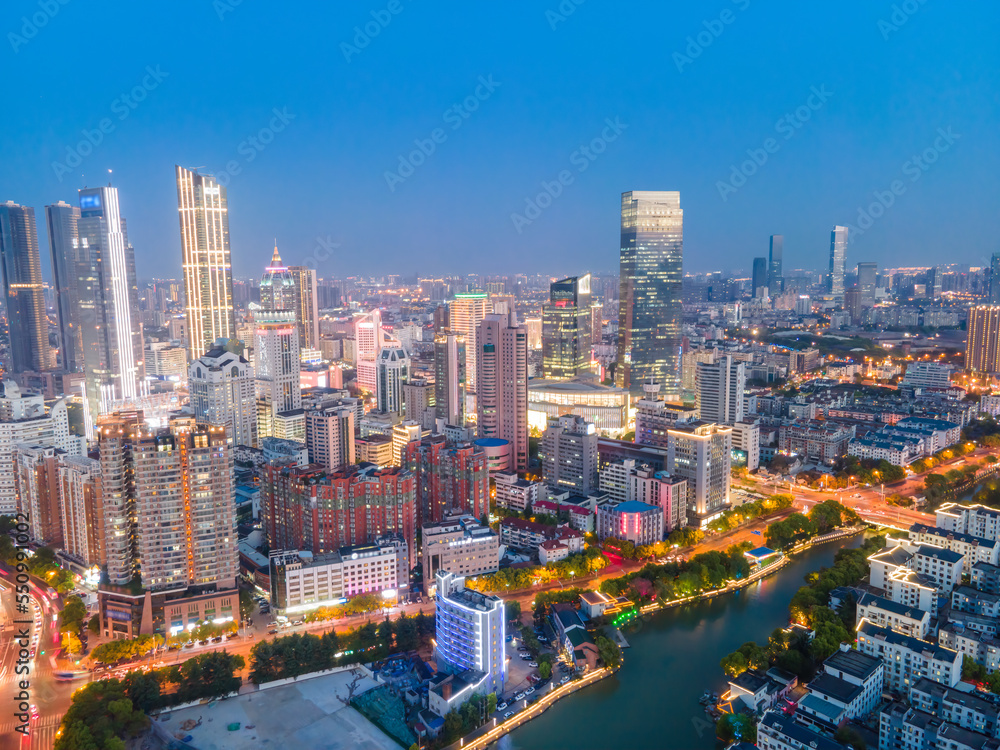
(109, 178)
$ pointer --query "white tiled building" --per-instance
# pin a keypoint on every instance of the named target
(909, 659)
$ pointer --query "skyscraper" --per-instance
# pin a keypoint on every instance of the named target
(569, 454)
(277, 287)
(464, 314)
(649, 299)
(995, 279)
(222, 388)
(760, 278)
(306, 299)
(502, 397)
(449, 378)
(64, 249)
(393, 370)
(109, 302)
(867, 282)
(838, 261)
(566, 328)
(720, 386)
(277, 367)
(206, 260)
(22, 288)
(775, 277)
(982, 348)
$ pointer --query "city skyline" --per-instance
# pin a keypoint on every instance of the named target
(708, 116)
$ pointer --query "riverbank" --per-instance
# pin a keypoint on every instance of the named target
(652, 701)
(486, 735)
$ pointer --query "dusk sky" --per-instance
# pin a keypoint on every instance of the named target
(874, 83)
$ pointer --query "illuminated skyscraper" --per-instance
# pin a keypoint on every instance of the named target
(982, 348)
(775, 277)
(306, 301)
(838, 261)
(277, 287)
(277, 367)
(649, 299)
(22, 287)
(566, 328)
(759, 280)
(502, 399)
(109, 302)
(206, 260)
(867, 281)
(449, 378)
(995, 279)
(64, 249)
(464, 315)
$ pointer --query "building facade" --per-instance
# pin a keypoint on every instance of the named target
(21, 266)
(222, 392)
(566, 329)
(502, 385)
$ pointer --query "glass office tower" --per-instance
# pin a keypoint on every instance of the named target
(649, 300)
(775, 277)
(64, 250)
(22, 287)
(838, 261)
(566, 328)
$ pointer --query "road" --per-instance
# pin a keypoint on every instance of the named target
(50, 696)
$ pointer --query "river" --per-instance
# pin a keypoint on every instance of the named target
(652, 702)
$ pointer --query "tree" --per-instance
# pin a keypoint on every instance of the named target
(94, 624)
(70, 643)
(847, 735)
(610, 653)
(247, 604)
(512, 608)
(545, 670)
(100, 716)
(737, 727)
(72, 615)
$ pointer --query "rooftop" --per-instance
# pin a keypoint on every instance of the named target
(854, 663)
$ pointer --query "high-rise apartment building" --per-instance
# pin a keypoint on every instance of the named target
(569, 454)
(450, 377)
(277, 286)
(206, 260)
(502, 390)
(310, 508)
(450, 478)
(81, 509)
(222, 391)
(185, 507)
(775, 275)
(306, 300)
(392, 371)
(21, 264)
(650, 300)
(566, 328)
(419, 401)
(108, 295)
(36, 481)
(700, 452)
(982, 347)
(330, 435)
(469, 635)
(760, 278)
(867, 282)
(720, 389)
(65, 254)
(838, 261)
(276, 367)
(25, 420)
(117, 434)
(465, 312)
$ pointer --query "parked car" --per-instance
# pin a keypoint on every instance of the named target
(529, 691)
(502, 706)
(542, 639)
(532, 663)
(519, 696)
(272, 631)
(508, 715)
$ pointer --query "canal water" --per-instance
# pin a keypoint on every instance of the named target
(652, 701)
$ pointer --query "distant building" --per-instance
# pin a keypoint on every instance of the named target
(502, 385)
(631, 521)
(392, 372)
(568, 454)
(459, 545)
(277, 367)
(222, 390)
(514, 493)
(450, 478)
(928, 375)
(720, 389)
(566, 329)
(982, 348)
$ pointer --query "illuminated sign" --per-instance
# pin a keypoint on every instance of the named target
(90, 201)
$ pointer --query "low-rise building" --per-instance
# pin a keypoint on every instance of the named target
(976, 520)
(459, 545)
(527, 535)
(889, 614)
(514, 493)
(778, 731)
(902, 726)
(908, 659)
(966, 710)
(631, 521)
(973, 549)
(849, 686)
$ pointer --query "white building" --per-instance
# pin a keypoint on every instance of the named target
(514, 493)
(977, 520)
(277, 367)
(972, 549)
(330, 435)
(720, 387)
(700, 452)
(568, 454)
(392, 371)
(908, 659)
(889, 614)
(79, 485)
(459, 545)
(470, 629)
(666, 491)
(849, 686)
(222, 390)
(631, 521)
(301, 580)
(24, 419)
(928, 375)
(746, 438)
(166, 360)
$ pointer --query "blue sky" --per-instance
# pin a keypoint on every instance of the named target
(894, 76)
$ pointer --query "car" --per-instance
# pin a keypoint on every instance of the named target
(564, 680)
(203, 642)
(189, 644)
(217, 639)
(508, 715)
(519, 696)
(502, 706)
(529, 691)
(297, 622)
(532, 663)
(272, 624)
(32, 654)
(542, 639)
